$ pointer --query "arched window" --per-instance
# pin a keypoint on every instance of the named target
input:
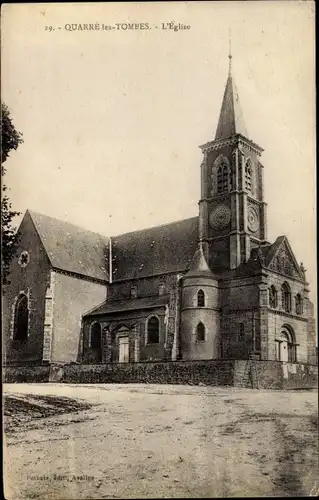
(200, 298)
(299, 304)
(133, 292)
(273, 298)
(286, 297)
(220, 180)
(96, 340)
(161, 289)
(240, 173)
(21, 320)
(200, 332)
(230, 179)
(153, 330)
(223, 174)
(223, 178)
(248, 170)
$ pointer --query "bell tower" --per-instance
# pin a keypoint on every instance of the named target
(232, 211)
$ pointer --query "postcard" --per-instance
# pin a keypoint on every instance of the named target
(159, 250)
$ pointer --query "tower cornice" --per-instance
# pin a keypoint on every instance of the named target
(237, 139)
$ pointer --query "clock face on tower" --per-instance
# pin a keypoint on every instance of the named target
(253, 220)
(219, 217)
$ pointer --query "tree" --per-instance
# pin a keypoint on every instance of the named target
(10, 139)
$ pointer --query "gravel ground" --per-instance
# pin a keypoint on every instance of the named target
(156, 441)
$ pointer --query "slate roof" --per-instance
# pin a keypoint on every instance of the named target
(169, 248)
(161, 249)
(130, 304)
(231, 120)
(72, 248)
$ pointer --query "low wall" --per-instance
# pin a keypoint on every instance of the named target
(258, 374)
(218, 372)
(275, 375)
(300, 376)
(26, 374)
(237, 373)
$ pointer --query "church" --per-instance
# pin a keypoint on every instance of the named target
(211, 287)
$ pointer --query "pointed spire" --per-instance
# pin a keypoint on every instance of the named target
(199, 262)
(231, 119)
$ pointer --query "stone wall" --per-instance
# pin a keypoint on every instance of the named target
(237, 373)
(274, 375)
(300, 376)
(26, 374)
(261, 375)
(179, 372)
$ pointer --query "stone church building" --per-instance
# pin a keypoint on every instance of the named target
(206, 288)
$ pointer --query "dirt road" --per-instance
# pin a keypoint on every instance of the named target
(153, 441)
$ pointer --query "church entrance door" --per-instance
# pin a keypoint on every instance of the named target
(124, 349)
(284, 351)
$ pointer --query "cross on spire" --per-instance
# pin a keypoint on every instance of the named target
(199, 262)
(229, 53)
(231, 120)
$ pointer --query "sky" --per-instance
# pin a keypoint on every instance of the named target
(112, 119)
